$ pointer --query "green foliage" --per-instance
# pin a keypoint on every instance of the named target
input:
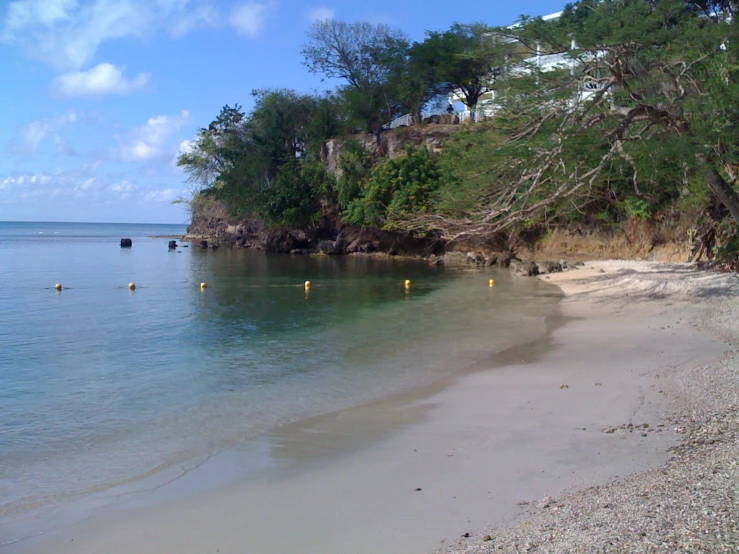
(293, 198)
(396, 188)
(355, 164)
(464, 58)
(640, 117)
(638, 208)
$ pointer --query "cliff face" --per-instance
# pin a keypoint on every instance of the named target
(390, 144)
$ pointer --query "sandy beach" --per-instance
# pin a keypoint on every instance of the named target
(636, 364)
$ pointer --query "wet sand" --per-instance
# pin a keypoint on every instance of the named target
(411, 473)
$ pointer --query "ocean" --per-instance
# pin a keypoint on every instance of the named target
(101, 386)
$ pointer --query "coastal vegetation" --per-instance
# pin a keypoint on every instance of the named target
(636, 121)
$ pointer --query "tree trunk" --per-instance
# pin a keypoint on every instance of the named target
(724, 192)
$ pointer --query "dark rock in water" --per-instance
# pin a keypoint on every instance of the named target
(516, 266)
(368, 247)
(435, 261)
(173, 245)
(126, 243)
(354, 246)
(327, 247)
(475, 258)
(185, 246)
(520, 268)
(203, 244)
(506, 259)
(214, 247)
(490, 261)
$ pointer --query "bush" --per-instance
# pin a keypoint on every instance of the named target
(396, 188)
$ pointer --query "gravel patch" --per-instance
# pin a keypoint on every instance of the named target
(691, 503)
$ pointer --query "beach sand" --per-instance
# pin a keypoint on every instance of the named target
(414, 473)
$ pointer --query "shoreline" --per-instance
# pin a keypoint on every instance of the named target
(686, 504)
(476, 448)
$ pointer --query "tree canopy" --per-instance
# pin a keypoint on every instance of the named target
(631, 110)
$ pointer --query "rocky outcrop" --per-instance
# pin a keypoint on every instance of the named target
(442, 119)
(389, 143)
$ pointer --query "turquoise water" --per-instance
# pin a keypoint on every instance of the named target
(100, 385)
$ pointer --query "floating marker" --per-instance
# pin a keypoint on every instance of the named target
(131, 286)
(58, 286)
(407, 283)
(203, 285)
(491, 282)
(307, 284)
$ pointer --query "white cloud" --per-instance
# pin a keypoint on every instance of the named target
(166, 195)
(248, 18)
(321, 13)
(63, 147)
(151, 142)
(82, 182)
(36, 132)
(100, 80)
(203, 16)
(66, 34)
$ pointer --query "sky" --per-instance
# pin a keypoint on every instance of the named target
(99, 96)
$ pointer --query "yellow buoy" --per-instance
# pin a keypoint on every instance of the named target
(58, 286)
(307, 284)
(203, 285)
(407, 283)
(491, 282)
(131, 286)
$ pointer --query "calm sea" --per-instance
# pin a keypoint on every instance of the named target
(100, 385)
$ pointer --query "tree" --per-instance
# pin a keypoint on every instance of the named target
(356, 52)
(209, 155)
(649, 100)
(367, 57)
(464, 59)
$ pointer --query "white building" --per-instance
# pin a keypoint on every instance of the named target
(486, 105)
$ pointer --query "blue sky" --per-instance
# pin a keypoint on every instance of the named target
(100, 95)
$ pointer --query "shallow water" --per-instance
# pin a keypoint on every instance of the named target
(100, 385)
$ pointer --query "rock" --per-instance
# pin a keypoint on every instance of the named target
(516, 266)
(490, 261)
(520, 268)
(563, 264)
(354, 246)
(203, 244)
(442, 119)
(214, 247)
(327, 247)
(579, 264)
(435, 261)
(545, 502)
(368, 247)
(487, 538)
(506, 259)
(126, 243)
(549, 267)
(172, 244)
(476, 258)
